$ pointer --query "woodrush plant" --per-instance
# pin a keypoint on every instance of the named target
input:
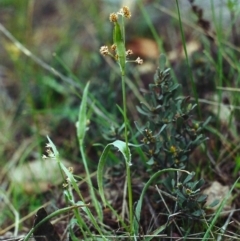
(120, 54)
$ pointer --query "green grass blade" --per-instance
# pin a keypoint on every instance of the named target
(82, 117)
(121, 145)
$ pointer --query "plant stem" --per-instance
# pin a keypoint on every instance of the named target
(129, 184)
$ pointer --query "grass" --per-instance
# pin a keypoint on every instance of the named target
(110, 194)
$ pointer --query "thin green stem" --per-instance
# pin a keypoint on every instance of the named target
(125, 110)
(119, 38)
(128, 171)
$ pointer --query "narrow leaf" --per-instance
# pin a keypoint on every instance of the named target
(120, 46)
(82, 117)
(121, 145)
(162, 61)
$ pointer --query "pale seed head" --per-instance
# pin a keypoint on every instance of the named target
(113, 17)
(126, 12)
(104, 50)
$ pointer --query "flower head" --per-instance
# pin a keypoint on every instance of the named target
(139, 61)
(104, 50)
(114, 50)
(129, 52)
(126, 12)
(113, 47)
(113, 17)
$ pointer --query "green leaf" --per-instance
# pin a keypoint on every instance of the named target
(150, 161)
(120, 46)
(198, 213)
(55, 151)
(200, 183)
(161, 130)
(207, 121)
(82, 117)
(142, 112)
(188, 178)
(173, 87)
(162, 61)
(121, 145)
(214, 203)
(202, 198)
(181, 197)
